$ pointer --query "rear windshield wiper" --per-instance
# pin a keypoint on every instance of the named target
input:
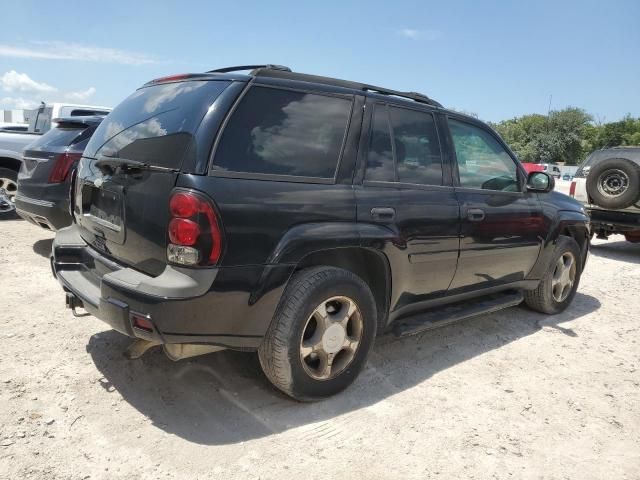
(109, 165)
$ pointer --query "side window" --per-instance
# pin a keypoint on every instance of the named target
(283, 132)
(482, 162)
(380, 165)
(415, 146)
(418, 158)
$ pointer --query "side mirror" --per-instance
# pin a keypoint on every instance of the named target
(540, 182)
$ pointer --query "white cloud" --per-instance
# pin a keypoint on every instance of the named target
(17, 103)
(54, 50)
(80, 96)
(13, 81)
(415, 34)
(31, 92)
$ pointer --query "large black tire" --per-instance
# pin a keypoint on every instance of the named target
(280, 351)
(542, 298)
(8, 181)
(614, 183)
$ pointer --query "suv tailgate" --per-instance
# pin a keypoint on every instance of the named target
(123, 212)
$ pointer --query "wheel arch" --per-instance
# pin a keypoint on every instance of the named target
(370, 265)
(568, 223)
(11, 163)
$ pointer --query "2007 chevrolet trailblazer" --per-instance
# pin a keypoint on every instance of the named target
(300, 216)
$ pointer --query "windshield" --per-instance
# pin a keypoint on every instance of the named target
(156, 124)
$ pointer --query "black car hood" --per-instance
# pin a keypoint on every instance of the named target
(561, 201)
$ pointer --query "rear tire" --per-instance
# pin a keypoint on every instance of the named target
(554, 294)
(9, 182)
(614, 183)
(300, 355)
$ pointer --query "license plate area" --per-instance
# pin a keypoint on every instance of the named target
(102, 215)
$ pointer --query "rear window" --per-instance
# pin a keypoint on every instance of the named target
(58, 137)
(155, 124)
(284, 132)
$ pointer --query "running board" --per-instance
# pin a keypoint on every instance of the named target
(442, 316)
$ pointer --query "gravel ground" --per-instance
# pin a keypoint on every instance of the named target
(509, 395)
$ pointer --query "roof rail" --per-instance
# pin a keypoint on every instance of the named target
(281, 71)
(250, 67)
(415, 96)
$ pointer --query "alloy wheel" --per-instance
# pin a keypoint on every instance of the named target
(8, 189)
(564, 276)
(331, 337)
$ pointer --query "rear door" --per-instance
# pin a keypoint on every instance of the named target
(502, 224)
(407, 190)
(124, 213)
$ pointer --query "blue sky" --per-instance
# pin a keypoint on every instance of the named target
(496, 59)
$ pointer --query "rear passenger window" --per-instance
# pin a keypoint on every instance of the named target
(284, 132)
(418, 157)
(404, 147)
(380, 158)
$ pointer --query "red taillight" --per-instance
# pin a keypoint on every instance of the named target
(572, 189)
(183, 231)
(195, 234)
(183, 205)
(62, 165)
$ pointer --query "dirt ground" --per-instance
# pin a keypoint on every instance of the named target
(509, 395)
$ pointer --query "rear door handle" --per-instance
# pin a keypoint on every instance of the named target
(475, 214)
(385, 214)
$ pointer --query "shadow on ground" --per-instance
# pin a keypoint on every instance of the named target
(43, 247)
(622, 250)
(224, 398)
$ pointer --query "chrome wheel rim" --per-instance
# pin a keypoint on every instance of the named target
(613, 183)
(564, 276)
(8, 189)
(331, 337)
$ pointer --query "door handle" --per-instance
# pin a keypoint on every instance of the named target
(385, 214)
(475, 214)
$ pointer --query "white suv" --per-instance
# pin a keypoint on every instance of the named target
(608, 184)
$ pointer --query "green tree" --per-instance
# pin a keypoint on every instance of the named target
(567, 135)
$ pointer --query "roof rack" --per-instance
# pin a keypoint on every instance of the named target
(280, 71)
(415, 96)
(253, 68)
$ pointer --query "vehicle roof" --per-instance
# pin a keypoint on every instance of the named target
(277, 74)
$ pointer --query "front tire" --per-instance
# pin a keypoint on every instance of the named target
(557, 288)
(321, 334)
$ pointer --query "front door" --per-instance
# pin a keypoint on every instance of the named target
(404, 192)
(502, 223)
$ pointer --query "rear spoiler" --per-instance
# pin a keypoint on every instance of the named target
(90, 121)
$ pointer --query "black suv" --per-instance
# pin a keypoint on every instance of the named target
(44, 178)
(300, 216)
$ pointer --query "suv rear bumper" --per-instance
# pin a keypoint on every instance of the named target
(230, 306)
(51, 215)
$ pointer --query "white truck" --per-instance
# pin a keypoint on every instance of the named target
(12, 143)
(608, 185)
